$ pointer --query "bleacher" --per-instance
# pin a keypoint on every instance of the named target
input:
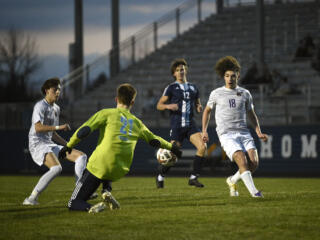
(233, 32)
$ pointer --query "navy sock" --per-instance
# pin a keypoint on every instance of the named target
(106, 185)
(162, 170)
(197, 164)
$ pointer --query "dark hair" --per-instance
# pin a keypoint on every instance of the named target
(176, 63)
(51, 82)
(227, 63)
(126, 93)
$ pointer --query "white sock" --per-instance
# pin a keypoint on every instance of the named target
(79, 166)
(160, 178)
(193, 176)
(45, 180)
(248, 181)
(236, 177)
(34, 194)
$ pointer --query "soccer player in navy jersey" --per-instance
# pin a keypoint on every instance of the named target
(181, 97)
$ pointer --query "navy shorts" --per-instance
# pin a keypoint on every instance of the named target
(179, 134)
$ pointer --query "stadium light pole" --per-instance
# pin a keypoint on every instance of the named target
(260, 32)
(114, 52)
(219, 6)
(76, 52)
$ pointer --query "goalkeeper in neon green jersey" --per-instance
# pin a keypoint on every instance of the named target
(112, 158)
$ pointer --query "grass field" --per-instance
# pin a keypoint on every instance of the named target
(290, 210)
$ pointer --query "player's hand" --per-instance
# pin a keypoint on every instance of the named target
(63, 152)
(176, 150)
(263, 137)
(205, 137)
(65, 127)
(172, 107)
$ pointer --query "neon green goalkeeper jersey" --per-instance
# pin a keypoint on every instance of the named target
(119, 133)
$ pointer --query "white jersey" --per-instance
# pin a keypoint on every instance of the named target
(231, 108)
(46, 114)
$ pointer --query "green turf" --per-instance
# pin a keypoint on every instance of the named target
(290, 210)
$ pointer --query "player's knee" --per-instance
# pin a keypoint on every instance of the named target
(239, 156)
(240, 159)
(202, 148)
(56, 169)
(83, 156)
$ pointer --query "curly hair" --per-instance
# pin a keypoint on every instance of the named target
(227, 63)
(176, 63)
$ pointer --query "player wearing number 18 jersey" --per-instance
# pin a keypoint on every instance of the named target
(112, 158)
(232, 106)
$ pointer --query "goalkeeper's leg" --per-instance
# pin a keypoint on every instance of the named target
(87, 185)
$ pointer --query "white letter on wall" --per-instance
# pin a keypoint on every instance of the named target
(309, 148)
(266, 148)
(286, 146)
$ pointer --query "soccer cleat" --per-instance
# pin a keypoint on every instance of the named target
(113, 203)
(196, 183)
(99, 207)
(93, 196)
(30, 202)
(258, 195)
(232, 187)
(160, 184)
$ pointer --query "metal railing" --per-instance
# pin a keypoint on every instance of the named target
(157, 34)
(140, 45)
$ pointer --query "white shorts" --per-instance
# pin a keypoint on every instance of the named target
(236, 141)
(39, 151)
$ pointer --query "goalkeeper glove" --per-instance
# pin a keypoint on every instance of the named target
(176, 150)
(63, 152)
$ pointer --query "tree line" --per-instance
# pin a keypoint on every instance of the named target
(18, 62)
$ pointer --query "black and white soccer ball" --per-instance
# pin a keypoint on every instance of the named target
(166, 157)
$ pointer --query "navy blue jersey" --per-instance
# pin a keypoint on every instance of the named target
(185, 95)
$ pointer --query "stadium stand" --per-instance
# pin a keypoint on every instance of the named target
(232, 32)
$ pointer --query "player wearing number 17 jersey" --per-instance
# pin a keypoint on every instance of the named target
(232, 106)
(112, 158)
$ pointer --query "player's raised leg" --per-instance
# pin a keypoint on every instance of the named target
(80, 162)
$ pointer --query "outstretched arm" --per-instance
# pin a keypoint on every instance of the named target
(89, 126)
(161, 105)
(39, 127)
(205, 123)
(255, 122)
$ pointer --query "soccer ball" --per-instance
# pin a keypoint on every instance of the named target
(166, 157)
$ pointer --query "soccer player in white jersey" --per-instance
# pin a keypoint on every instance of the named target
(45, 143)
(232, 105)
